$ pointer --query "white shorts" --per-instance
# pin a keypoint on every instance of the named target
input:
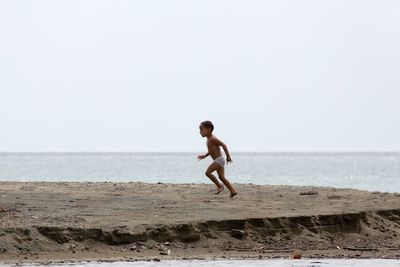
(220, 161)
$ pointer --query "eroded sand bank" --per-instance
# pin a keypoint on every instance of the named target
(128, 221)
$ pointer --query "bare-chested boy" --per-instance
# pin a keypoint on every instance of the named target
(213, 146)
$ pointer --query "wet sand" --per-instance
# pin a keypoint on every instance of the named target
(58, 222)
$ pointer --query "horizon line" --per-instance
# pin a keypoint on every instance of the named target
(168, 152)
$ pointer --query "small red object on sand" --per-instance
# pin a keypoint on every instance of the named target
(297, 256)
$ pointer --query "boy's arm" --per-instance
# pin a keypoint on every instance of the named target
(225, 148)
(200, 157)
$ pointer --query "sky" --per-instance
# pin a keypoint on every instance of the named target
(273, 76)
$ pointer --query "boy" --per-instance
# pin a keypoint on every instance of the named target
(213, 146)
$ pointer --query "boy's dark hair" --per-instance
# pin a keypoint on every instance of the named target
(208, 124)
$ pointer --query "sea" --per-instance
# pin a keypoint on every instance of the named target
(365, 171)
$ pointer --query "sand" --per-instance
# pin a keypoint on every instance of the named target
(60, 222)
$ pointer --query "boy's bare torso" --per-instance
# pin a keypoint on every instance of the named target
(213, 147)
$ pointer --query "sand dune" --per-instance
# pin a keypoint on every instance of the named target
(130, 221)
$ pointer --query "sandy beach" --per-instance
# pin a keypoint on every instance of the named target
(59, 222)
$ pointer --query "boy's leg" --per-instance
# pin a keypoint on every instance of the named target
(214, 167)
(221, 175)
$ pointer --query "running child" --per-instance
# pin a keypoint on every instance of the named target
(214, 150)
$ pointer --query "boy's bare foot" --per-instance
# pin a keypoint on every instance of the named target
(233, 194)
(219, 190)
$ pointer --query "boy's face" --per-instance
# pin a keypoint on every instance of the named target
(204, 131)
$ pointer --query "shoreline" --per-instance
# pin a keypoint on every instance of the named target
(71, 222)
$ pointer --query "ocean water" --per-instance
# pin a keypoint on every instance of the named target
(246, 263)
(368, 171)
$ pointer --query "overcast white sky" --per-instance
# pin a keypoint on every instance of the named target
(141, 75)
